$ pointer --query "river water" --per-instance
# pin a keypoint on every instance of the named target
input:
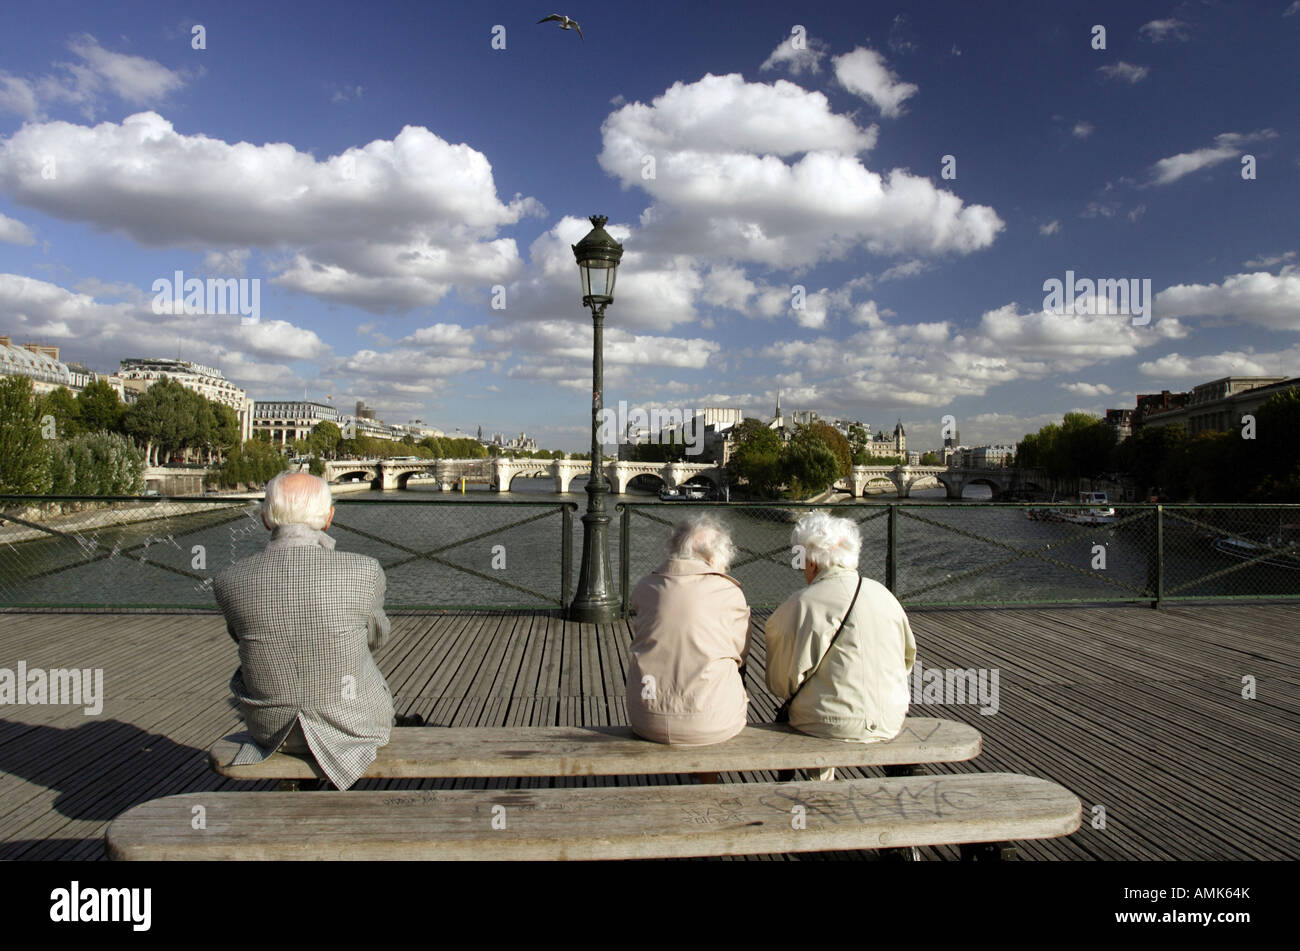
(492, 550)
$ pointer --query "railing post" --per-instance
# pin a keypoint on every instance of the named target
(1160, 555)
(624, 553)
(566, 551)
(891, 556)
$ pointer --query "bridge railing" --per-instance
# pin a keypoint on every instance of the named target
(132, 553)
(953, 554)
(463, 554)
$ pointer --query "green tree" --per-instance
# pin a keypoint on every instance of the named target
(930, 459)
(96, 464)
(253, 463)
(835, 442)
(24, 454)
(63, 406)
(325, 438)
(756, 458)
(1271, 461)
(810, 466)
(1152, 457)
(100, 408)
(316, 466)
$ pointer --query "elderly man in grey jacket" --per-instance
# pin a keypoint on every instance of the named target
(306, 618)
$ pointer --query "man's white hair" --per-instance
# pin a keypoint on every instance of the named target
(705, 538)
(828, 541)
(296, 498)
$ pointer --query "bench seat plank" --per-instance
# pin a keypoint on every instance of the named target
(439, 752)
(599, 822)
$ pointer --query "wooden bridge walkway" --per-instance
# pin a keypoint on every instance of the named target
(1137, 711)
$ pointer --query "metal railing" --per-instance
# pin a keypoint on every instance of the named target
(947, 554)
(462, 554)
(163, 553)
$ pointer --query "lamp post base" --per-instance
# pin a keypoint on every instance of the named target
(595, 600)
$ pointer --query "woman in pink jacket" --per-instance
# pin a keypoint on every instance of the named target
(684, 683)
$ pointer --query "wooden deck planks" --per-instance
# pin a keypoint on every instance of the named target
(1135, 709)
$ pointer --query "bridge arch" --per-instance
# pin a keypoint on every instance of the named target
(535, 472)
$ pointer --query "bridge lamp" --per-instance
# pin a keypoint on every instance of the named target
(595, 600)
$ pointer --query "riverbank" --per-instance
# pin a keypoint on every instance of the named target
(105, 515)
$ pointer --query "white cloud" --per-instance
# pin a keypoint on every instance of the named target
(1052, 227)
(1292, 10)
(863, 72)
(233, 261)
(722, 190)
(93, 332)
(1170, 28)
(388, 226)
(1175, 366)
(1088, 389)
(1124, 72)
(13, 231)
(1082, 130)
(132, 79)
(1272, 260)
(796, 60)
(1228, 145)
(1269, 300)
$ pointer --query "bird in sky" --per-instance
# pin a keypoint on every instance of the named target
(565, 23)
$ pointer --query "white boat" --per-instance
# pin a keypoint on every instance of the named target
(1094, 509)
(684, 493)
(1285, 544)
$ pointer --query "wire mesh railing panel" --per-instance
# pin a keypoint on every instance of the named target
(453, 553)
(164, 553)
(1009, 554)
(1231, 552)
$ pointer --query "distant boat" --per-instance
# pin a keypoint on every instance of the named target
(1094, 509)
(684, 493)
(1251, 547)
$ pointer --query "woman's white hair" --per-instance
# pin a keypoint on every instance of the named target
(705, 538)
(828, 541)
(296, 498)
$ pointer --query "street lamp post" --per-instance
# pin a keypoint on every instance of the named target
(595, 600)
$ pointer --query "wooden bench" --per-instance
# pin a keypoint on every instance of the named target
(597, 823)
(481, 752)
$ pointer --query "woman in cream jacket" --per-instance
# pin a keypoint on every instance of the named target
(859, 690)
(684, 684)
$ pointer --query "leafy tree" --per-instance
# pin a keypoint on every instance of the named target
(24, 455)
(100, 408)
(63, 406)
(930, 459)
(756, 459)
(253, 463)
(810, 466)
(835, 442)
(325, 438)
(96, 464)
(1152, 457)
(1271, 461)
(226, 433)
(316, 466)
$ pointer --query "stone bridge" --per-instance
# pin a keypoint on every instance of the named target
(387, 474)
(906, 478)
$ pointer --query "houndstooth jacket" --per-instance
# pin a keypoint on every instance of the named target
(306, 618)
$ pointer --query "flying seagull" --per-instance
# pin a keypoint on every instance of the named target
(565, 23)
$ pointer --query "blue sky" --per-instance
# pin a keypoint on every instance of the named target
(380, 170)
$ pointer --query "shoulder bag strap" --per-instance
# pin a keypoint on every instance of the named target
(813, 672)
